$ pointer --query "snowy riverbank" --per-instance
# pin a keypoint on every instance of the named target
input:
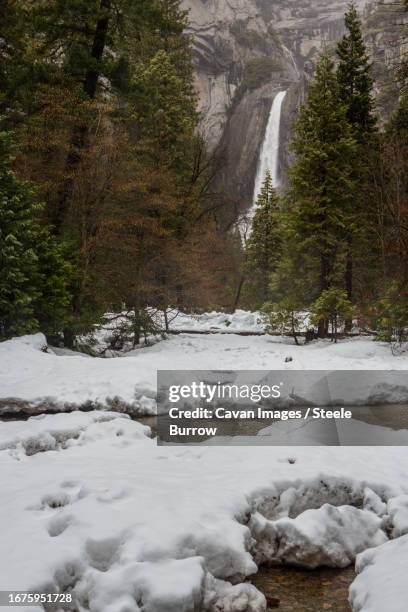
(34, 380)
(99, 510)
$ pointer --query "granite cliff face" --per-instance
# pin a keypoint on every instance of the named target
(246, 51)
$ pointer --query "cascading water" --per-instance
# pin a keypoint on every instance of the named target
(269, 158)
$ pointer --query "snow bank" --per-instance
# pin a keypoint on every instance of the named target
(52, 432)
(329, 536)
(241, 321)
(382, 581)
(99, 342)
(126, 525)
(35, 381)
(398, 512)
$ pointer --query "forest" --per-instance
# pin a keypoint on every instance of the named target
(203, 386)
(109, 199)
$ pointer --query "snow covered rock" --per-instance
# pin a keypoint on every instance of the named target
(222, 596)
(329, 536)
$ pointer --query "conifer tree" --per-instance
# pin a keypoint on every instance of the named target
(18, 261)
(355, 90)
(33, 272)
(322, 179)
(354, 77)
(264, 244)
(102, 95)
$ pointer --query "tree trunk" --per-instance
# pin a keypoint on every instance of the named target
(98, 47)
(69, 337)
(294, 332)
(80, 136)
(166, 321)
(238, 293)
(348, 325)
(322, 329)
(323, 326)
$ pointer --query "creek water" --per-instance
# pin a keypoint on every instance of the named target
(383, 417)
(290, 589)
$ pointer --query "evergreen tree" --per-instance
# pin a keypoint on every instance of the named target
(354, 77)
(264, 244)
(165, 109)
(32, 280)
(322, 179)
(7, 19)
(333, 306)
(53, 279)
(18, 261)
(102, 95)
(355, 89)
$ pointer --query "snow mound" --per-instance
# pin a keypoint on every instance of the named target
(165, 586)
(242, 321)
(382, 581)
(330, 536)
(398, 512)
(54, 432)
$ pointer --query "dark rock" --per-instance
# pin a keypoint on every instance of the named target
(272, 601)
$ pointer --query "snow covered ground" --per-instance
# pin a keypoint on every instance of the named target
(90, 505)
(38, 380)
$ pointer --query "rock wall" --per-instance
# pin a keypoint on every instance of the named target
(248, 50)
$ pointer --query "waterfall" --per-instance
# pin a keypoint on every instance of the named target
(269, 158)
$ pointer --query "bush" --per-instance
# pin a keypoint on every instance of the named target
(284, 317)
(392, 320)
(332, 307)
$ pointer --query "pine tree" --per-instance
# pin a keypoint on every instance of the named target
(166, 107)
(322, 180)
(354, 77)
(106, 112)
(355, 89)
(18, 261)
(32, 280)
(333, 306)
(53, 279)
(264, 244)
(7, 20)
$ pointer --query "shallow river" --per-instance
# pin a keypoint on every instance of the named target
(289, 589)
(383, 417)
